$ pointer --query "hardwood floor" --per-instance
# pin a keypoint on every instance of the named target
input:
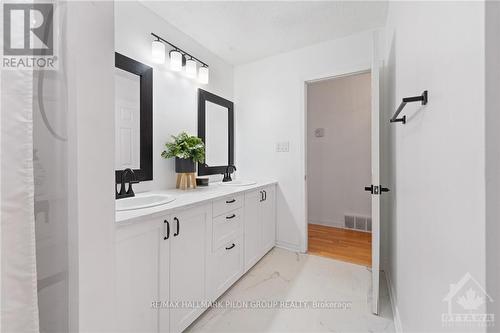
(341, 244)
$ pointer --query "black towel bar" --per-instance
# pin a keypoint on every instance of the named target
(422, 98)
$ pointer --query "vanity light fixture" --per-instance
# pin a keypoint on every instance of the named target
(203, 75)
(191, 68)
(179, 59)
(158, 52)
(175, 61)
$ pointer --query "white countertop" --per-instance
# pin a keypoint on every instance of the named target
(184, 198)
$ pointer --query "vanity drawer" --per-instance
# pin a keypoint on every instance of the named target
(226, 227)
(227, 204)
(225, 267)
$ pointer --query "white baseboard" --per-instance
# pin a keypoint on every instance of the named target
(395, 312)
(327, 223)
(336, 225)
(289, 246)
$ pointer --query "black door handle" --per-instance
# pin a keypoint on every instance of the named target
(231, 201)
(376, 189)
(230, 217)
(178, 226)
(167, 231)
(230, 247)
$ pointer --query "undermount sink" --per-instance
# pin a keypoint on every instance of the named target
(143, 201)
(239, 183)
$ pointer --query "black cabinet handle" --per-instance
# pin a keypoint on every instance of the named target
(231, 201)
(178, 226)
(369, 188)
(261, 196)
(230, 217)
(384, 189)
(265, 195)
(167, 229)
(230, 247)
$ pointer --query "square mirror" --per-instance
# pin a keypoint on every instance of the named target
(133, 118)
(215, 128)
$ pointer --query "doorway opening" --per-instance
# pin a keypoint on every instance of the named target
(338, 164)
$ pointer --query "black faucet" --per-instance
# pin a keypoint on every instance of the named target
(227, 174)
(130, 192)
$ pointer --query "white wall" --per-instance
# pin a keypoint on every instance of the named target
(437, 231)
(492, 122)
(339, 163)
(89, 66)
(269, 104)
(175, 97)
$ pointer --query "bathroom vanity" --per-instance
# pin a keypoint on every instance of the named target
(174, 259)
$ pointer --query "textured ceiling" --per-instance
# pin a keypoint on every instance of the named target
(244, 31)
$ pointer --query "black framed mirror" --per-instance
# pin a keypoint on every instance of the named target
(216, 129)
(133, 118)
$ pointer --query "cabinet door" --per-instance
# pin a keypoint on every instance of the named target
(253, 228)
(164, 270)
(187, 264)
(225, 266)
(269, 219)
(137, 253)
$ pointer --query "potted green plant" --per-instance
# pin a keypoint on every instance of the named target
(187, 150)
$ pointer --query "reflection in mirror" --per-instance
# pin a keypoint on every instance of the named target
(127, 120)
(216, 135)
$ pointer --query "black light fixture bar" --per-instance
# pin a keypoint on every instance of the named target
(422, 98)
(179, 49)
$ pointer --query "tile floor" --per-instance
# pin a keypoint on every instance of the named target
(283, 275)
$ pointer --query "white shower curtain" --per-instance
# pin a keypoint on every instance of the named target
(19, 308)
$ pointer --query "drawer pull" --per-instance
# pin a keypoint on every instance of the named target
(231, 201)
(230, 247)
(230, 217)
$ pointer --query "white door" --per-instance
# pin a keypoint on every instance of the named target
(187, 265)
(253, 227)
(268, 219)
(375, 186)
(137, 250)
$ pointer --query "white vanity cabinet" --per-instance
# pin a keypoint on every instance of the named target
(137, 274)
(225, 258)
(161, 260)
(260, 224)
(187, 267)
(268, 219)
(189, 255)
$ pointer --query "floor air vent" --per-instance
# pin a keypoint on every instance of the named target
(349, 221)
(362, 223)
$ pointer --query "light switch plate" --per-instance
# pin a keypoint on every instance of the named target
(319, 132)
